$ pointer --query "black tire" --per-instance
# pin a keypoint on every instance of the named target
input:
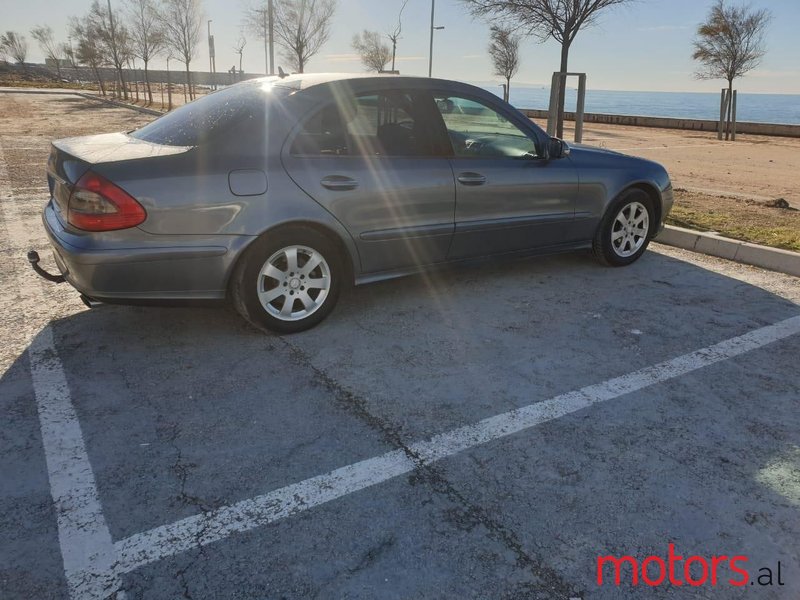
(604, 248)
(247, 280)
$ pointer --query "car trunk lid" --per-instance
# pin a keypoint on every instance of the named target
(71, 158)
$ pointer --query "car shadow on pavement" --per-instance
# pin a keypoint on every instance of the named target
(185, 410)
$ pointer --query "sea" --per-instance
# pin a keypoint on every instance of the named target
(757, 108)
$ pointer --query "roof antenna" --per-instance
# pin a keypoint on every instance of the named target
(281, 73)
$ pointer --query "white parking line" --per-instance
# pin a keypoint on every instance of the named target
(87, 550)
(206, 528)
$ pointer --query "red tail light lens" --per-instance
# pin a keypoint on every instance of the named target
(96, 204)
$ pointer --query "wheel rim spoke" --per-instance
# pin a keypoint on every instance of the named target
(291, 260)
(286, 311)
(268, 296)
(312, 263)
(307, 301)
(272, 271)
(317, 284)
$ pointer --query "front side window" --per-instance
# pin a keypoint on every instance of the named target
(377, 124)
(477, 130)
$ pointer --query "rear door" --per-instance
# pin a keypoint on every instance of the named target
(372, 161)
(508, 197)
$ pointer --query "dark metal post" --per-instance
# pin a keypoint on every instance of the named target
(430, 55)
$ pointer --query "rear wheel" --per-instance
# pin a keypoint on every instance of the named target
(288, 281)
(624, 234)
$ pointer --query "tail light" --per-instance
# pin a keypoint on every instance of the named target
(97, 204)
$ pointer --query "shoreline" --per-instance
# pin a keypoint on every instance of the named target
(705, 125)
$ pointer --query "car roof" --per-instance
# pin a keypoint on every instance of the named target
(305, 81)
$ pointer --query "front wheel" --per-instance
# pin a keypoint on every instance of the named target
(624, 234)
(288, 281)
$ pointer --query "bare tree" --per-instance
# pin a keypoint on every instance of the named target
(395, 35)
(89, 51)
(15, 46)
(560, 20)
(146, 34)
(729, 45)
(239, 49)
(374, 53)
(301, 28)
(51, 49)
(114, 36)
(182, 21)
(504, 52)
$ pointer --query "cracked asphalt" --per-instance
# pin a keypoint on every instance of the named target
(187, 410)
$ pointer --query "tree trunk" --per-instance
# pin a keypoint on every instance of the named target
(99, 80)
(122, 83)
(147, 85)
(562, 90)
(508, 89)
(730, 111)
(189, 82)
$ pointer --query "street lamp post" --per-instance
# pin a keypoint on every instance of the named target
(433, 29)
(211, 58)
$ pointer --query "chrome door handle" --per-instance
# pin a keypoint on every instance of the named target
(471, 179)
(339, 183)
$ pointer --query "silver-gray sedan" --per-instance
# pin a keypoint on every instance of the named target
(276, 193)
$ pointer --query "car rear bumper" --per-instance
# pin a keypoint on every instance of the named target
(152, 267)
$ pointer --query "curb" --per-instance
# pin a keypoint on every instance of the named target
(141, 109)
(774, 259)
(53, 91)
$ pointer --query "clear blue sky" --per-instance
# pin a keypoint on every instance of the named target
(643, 46)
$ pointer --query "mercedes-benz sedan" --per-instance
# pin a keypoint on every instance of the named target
(276, 193)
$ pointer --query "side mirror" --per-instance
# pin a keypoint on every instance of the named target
(557, 149)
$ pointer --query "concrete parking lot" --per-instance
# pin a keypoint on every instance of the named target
(482, 432)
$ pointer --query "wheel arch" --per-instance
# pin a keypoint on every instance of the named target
(349, 256)
(655, 195)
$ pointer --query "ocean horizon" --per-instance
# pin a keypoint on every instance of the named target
(757, 108)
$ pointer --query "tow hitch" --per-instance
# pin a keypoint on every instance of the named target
(33, 258)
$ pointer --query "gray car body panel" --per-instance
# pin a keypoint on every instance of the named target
(205, 204)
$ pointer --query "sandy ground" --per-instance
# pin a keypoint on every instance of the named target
(757, 166)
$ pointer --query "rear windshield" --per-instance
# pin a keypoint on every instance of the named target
(210, 116)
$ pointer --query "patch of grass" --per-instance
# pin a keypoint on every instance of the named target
(744, 220)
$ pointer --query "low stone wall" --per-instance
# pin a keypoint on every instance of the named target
(670, 123)
(176, 76)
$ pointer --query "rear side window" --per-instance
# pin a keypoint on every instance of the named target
(381, 124)
(209, 117)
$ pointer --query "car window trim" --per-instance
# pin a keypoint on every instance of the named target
(522, 122)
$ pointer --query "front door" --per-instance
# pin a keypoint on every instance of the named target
(508, 197)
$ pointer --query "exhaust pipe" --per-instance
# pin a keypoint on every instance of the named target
(89, 302)
(33, 258)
